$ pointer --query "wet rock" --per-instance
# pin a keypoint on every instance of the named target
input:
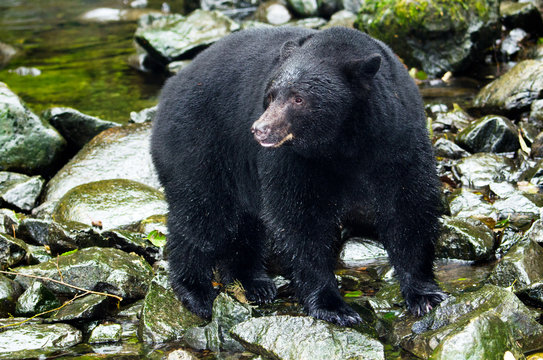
(358, 252)
(479, 170)
(9, 292)
(99, 269)
(37, 254)
(436, 37)
(304, 8)
(343, 18)
(465, 204)
(26, 71)
(116, 203)
(521, 267)
(310, 23)
(76, 127)
(27, 144)
(88, 307)
(511, 45)
(9, 221)
(153, 223)
(454, 316)
(181, 354)
(12, 251)
(532, 294)
(447, 149)
(537, 147)
(105, 333)
(297, 338)
(174, 37)
(106, 15)
(163, 316)
(235, 9)
(536, 112)
(36, 299)
(520, 211)
(523, 15)
(514, 91)
(227, 312)
(133, 242)
(451, 121)
(273, 12)
(117, 153)
(7, 52)
(535, 232)
(145, 115)
(176, 66)
(58, 237)
(32, 340)
(489, 134)
(19, 190)
(465, 239)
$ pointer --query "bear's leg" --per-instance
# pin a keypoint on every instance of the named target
(245, 261)
(408, 232)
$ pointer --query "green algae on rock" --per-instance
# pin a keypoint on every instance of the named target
(115, 203)
(491, 133)
(436, 35)
(36, 299)
(27, 144)
(12, 251)
(465, 239)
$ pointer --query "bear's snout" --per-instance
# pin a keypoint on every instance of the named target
(260, 131)
(272, 129)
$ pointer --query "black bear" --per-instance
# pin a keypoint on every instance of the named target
(269, 141)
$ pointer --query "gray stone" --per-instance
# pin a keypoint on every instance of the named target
(465, 239)
(9, 292)
(12, 251)
(145, 115)
(359, 252)
(19, 190)
(511, 45)
(76, 127)
(447, 149)
(273, 12)
(27, 144)
(304, 8)
(343, 18)
(9, 221)
(489, 134)
(304, 338)
(479, 170)
(521, 14)
(36, 299)
(536, 112)
(88, 307)
(466, 204)
(105, 333)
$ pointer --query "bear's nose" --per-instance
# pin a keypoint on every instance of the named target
(261, 131)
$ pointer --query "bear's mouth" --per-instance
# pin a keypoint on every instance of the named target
(276, 144)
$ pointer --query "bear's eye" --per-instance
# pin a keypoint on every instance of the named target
(298, 99)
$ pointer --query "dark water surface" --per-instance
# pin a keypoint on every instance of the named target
(83, 65)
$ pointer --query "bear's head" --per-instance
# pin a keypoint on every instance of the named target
(313, 92)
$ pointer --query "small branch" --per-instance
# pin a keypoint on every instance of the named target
(62, 283)
(58, 269)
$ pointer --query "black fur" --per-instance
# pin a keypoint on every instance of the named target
(348, 127)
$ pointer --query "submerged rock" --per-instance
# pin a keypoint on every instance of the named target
(27, 144)
(116, 203)
(99, 269)
(116, 153)
(19, 342)
(76, 127)
(435, 36)
(174, 37)
(19, 190)
(304, 338)
(514, 91)
(494, 134)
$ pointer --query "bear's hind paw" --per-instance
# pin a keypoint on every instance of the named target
(260, 291)
(421, 304)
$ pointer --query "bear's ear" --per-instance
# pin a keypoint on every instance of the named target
(364, 68)
(288, 48)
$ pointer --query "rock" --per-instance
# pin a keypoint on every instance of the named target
(536, 112)
(511, 204)
(434, 36)
(27, 144)
(514, 91)
(310, 23)
(154, 223)
(37, 254)
(304, 338)
(7, 52)
(12, 251)
(359, 252)
(447, 149)
(511, 45)
(100, 269)
(145, 115)
(117, 153)
(521, 267)
(9, 292)
(181, 354)
(273, 12)
(535, 233)
(465, 239)
(235, 9)
(454, 317)
(343, 18)
(9, 221)
(304, 8)
(19, 190)
(163, 317)
(176, 66)
(227, 312)
(107, 15)
(451, 121)
(479, 170)
(116, 203)
(76, 127)
(36, 299)
(465, 204)
(26, 71)
(172, 37)
(489, 134)
(133, 242)
(105, 333)
(537, 147)
(19, 342)
(523, 15)
(89, 307)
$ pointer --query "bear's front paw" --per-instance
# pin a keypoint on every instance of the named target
(260, 291)
(331, 308)
(198, 302)
(421, 303)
